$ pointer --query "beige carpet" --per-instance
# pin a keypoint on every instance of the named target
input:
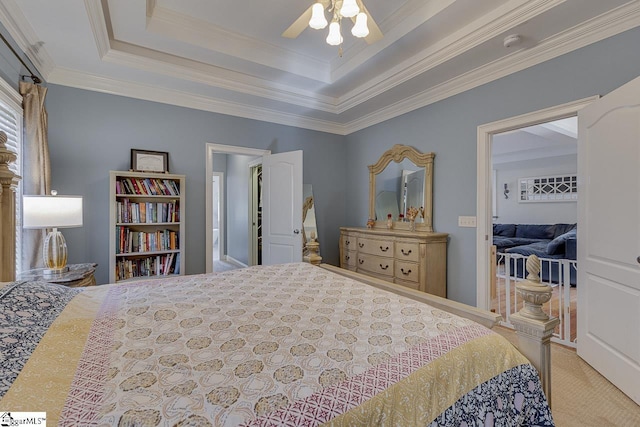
(220, 265)
(580, 395)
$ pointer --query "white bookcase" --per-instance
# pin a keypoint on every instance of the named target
(146, 223)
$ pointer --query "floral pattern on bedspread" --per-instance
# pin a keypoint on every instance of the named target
(27, 309)
(512, 398)
(257, 345)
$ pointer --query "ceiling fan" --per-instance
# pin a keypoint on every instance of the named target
(364, 25)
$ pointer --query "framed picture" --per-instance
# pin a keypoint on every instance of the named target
(149, 161)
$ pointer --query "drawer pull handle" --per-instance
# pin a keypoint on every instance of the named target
(347, 243)
(361, 245)
(384, 249)
(385, 267)
(347, 257)
(406, 273)
(361, 261)
(405, 253)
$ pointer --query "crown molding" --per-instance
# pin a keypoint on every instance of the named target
(596, 29)
(615, 22)
(197, 32)
(100, 25)
(474, 34)
(410, 16)
(145, 59)
(97, 83)
(22, 33)
(169, 65)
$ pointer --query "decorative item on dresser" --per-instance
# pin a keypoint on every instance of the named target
(146, 215)
(409, 252)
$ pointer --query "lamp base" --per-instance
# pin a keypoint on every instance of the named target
(54, 253)
(52, 272)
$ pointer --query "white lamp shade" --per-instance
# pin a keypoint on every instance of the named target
(317, 21)
(51, 211)
(360, 29)
(334, 38)
(349, 8)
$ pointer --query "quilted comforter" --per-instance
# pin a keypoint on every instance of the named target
(290, 345)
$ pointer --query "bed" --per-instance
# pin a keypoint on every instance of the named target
(292, 344)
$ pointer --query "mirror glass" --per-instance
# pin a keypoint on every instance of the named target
(308, 215)
(398, 187)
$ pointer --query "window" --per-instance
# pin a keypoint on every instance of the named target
(11, 124)
(562, 188)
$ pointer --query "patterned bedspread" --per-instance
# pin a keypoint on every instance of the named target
(279, 345)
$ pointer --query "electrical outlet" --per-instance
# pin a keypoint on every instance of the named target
(466, 221)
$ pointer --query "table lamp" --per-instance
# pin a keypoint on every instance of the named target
(52, 212)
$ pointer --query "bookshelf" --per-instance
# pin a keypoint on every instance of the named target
(146, 223)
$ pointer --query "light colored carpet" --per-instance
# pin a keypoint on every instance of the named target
(220, 265)
(580, 395)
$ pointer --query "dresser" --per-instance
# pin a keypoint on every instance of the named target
(415, 259)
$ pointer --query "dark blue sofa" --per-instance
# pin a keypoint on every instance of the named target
(551, 241)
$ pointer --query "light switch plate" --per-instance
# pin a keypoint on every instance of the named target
(466, 221)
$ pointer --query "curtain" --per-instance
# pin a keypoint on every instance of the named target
(36, 171)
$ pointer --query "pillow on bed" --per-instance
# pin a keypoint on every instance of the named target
(556, 246)
(27, 309)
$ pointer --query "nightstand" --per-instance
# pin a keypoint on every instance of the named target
(79, 275)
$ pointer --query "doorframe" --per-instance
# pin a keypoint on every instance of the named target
(210, 150)
(221, 214)
(253, 208)
(484, 202)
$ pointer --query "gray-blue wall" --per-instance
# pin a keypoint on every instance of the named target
(449, 128)
(237, 216)
(91, 133)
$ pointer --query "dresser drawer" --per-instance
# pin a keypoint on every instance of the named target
(348, 242)
(407, 251)
(377, 247)
(407, 271)
(349, 260)
(375, 264)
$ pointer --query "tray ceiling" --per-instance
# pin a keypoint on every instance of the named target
(229, 56)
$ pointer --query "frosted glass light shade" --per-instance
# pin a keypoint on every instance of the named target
(360, 29)
(317, 21)
(349, 8)
(51, 211)
(334, 38)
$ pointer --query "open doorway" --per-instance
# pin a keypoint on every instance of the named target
(534, 210)
(233, 220)
(489, 184)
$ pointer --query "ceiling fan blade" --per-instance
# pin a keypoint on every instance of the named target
(302, 22)
(374, 31)
(298, 25)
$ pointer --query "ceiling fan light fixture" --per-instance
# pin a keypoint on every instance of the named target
(334, 38)
(318, 21)
(349, 8)
(360, 29)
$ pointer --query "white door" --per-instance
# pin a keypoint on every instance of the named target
(282, 208)
(609, 237)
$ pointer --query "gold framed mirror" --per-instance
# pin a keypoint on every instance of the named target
(391, 195)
